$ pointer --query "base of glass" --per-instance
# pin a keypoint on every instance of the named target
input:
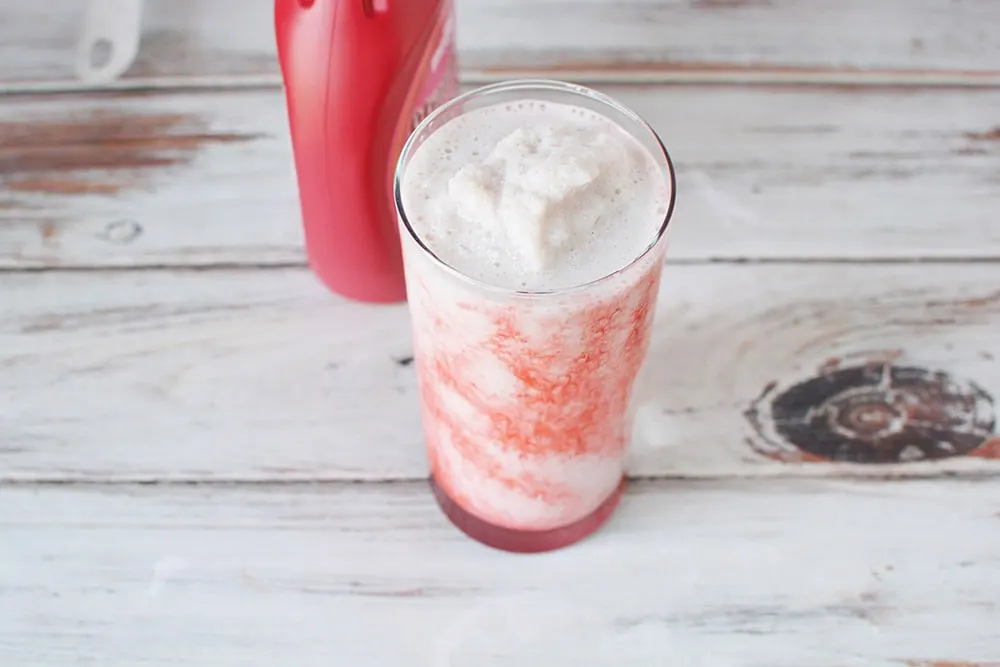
(525, 541)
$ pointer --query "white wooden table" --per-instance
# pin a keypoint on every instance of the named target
(207, 459)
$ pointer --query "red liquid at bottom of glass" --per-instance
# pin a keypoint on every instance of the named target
(525, 541)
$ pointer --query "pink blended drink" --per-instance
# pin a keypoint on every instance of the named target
(532, 215)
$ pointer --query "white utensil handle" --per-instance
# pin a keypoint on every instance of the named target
(109, 40)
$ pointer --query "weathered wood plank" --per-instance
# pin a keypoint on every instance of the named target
(145, 180)
(234, 38)
(258, 375)
(783, 574)
(204, 179)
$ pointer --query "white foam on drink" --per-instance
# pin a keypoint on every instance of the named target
(534, 195)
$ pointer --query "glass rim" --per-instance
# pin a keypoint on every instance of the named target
(533, 84)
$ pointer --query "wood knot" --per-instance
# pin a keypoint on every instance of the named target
(876, 412)
(121, 232)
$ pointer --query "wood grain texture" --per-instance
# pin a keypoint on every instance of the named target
(136, 180)
(775, 574)
(233, 39)
(252, 378)
(206, 179)
(257, 375)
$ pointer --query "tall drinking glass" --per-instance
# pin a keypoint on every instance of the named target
(525, 394)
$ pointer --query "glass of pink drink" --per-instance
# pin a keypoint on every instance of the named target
(533, 218)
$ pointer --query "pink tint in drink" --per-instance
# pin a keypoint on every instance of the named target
(532, 216)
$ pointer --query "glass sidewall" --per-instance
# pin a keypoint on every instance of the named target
(526, 397)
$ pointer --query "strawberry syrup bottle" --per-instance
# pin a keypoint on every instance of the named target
(359, 75)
